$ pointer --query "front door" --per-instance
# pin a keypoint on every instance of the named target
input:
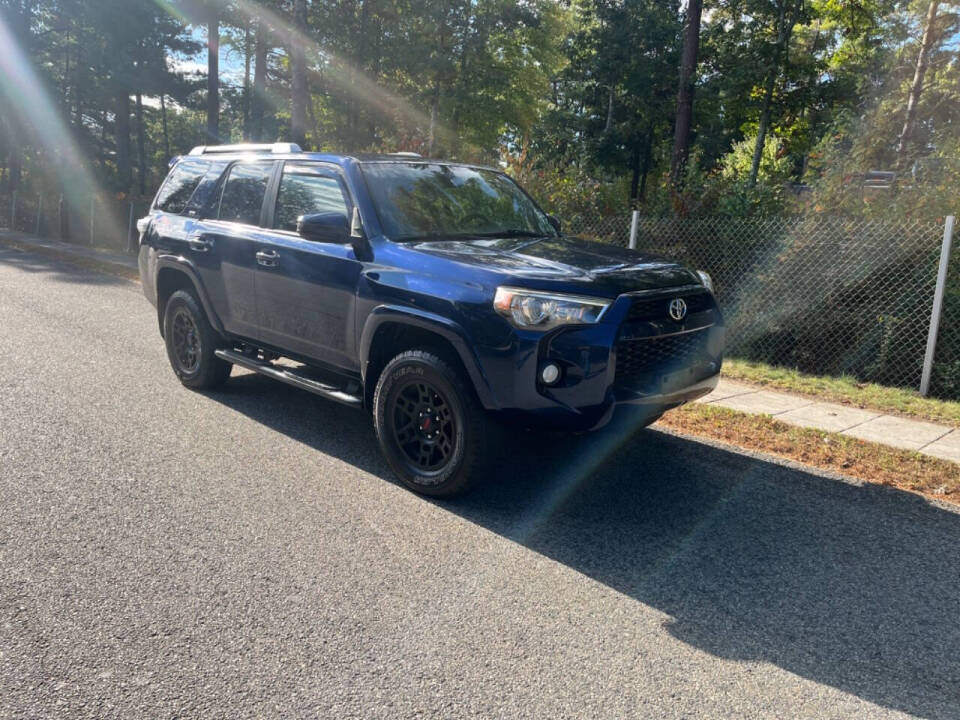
(306, 290)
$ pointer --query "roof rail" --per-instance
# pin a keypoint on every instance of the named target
(275, 148)
(405, 153)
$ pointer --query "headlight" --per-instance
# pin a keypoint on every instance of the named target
(543, 311)
(706, 280)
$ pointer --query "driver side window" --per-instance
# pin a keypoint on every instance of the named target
(305, 192)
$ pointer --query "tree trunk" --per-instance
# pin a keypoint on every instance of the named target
(784, 31)
(122, 129)
(213, 77)
(16, 166)
(645, 170)
(166, 130)
(141, 147)
(609, 124)
(259, 82)
(684, 115)
(298, 76)
(434, 119)
(77, 98)
(762, 129)
(247, 67)
(641, 160)
(917, 87)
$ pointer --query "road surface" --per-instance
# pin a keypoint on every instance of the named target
(246, 553)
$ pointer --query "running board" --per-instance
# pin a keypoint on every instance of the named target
(291, 377)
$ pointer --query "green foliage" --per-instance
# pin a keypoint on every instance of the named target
(572, 195)
(578, 98)
(774, 165)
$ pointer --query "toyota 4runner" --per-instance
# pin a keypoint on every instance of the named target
(436, 295)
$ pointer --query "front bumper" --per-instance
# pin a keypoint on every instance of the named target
(662, 364)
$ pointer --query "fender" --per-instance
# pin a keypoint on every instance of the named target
(438, 324)
(181, 264)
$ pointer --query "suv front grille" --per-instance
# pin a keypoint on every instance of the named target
(658, 308)
(639, 357)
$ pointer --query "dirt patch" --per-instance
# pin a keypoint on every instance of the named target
(849, 456)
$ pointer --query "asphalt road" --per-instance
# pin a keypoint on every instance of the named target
(245, 553)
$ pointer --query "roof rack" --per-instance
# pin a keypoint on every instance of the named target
(275, 148)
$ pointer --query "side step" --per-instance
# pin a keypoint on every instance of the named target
(291, 376)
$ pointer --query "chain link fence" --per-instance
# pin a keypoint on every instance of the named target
(824, 295)
(95, 220)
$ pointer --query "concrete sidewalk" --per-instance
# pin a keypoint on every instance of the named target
(939, 441)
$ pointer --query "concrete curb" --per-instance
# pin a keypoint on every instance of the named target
(941, 441)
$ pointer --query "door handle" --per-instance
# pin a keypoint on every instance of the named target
(200, 243)
(268, 258)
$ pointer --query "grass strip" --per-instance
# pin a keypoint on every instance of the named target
(848, 456)
(846, 390)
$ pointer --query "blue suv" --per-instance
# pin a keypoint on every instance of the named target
(436, 295)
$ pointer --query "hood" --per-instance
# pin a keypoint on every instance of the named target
(605, 270)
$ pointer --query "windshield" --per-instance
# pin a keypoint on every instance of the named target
(424, 200)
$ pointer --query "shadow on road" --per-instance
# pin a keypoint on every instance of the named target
(854, 587)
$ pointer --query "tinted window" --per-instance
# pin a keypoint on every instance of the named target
(243, 192)
(303, 192)
(180, 184)
(434, 200)
(205, 193)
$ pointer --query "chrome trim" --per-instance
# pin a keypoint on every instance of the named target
(666, 335)
(664, 291)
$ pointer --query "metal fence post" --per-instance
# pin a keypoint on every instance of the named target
(60, 227)
(634, 223)
(13, 212)
(39, 213)
(93, 215)
(937, 305)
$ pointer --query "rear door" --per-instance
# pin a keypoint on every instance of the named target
(306, 289)
(172, 223)
(224, 246)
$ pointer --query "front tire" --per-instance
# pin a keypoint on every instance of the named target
(191, 343)
(431, 429)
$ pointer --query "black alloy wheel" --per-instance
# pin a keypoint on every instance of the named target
(192, 343)
(186, 342)
(432, 429)
(424, 426)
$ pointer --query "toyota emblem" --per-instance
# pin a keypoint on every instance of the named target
(678, 309)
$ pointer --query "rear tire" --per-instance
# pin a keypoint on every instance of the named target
(191, 343)
(432, 430)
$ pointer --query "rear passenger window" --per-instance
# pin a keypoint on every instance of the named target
(243, 192)
(305, 192)
(180, 184)
(204, 196)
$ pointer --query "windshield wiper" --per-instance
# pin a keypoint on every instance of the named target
(512, 233)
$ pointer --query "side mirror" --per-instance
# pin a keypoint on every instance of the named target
(555, 221)
(329, 227)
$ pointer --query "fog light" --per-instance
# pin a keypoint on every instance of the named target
(549, 374)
